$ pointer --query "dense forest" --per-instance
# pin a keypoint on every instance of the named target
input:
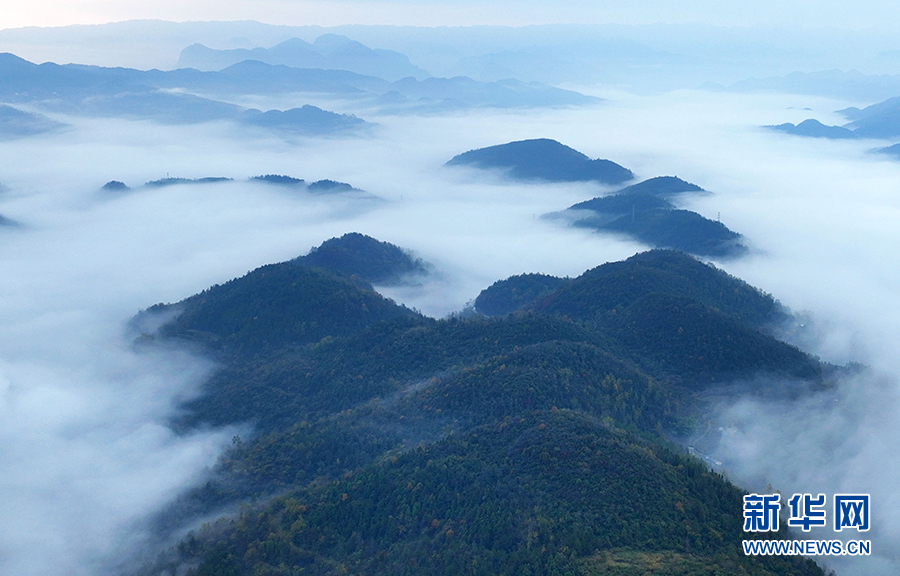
(537, 437)
(646, 212)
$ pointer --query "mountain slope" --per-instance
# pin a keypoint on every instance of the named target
(386, 442)
(543, 159)
(362, 256)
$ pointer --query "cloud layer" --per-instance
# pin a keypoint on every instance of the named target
(83, 428)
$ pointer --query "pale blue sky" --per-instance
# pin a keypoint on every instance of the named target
(818, 13)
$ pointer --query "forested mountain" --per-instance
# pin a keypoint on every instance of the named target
(506, 296)
(644, 211)
(361, 256)
(532, 443)
(543, 159)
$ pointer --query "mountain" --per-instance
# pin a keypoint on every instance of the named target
(305, 120)
(643, 212)
(278, 303)
(543, 159)
(609, 208)
(661, 186)
(679, 229)
(815, 129)
(115, 186)
(15, 123)
(133, 94)
(387, 442)
(188, 95)
(890, 150)
(167, 181)
(328, 51)
(618, 285)
(880, 120)
(317, 187)
(463, 92)
(361, 256)
(506, 296)
(847, 85)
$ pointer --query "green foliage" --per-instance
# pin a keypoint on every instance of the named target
(530, 495)
(619, 284)
(278, 304)
(530, 443)
(692, 341)
(506, 296)
(362, 256)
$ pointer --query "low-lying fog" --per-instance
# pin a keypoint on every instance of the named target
(83, 433)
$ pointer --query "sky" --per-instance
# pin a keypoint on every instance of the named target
(830, 13)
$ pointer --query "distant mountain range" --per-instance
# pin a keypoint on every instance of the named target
(543, 159)
(189, 96)
(850, 85)
(530, 442)
(815, 129)
(881, 120)
(317, 187)
(94, 91)
(327, 52)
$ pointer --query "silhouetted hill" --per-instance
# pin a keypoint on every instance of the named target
(543, 159)
(642, 214)
(506, 296)
(279, 179)
(890, 150)
(304, 120)
(330, 187)
(661, 186)
(880, 120)
(115, 186)
(622, 204)
(682, 230)
(162, 182)
(16, 123)
(815, 129)
(364, 257)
